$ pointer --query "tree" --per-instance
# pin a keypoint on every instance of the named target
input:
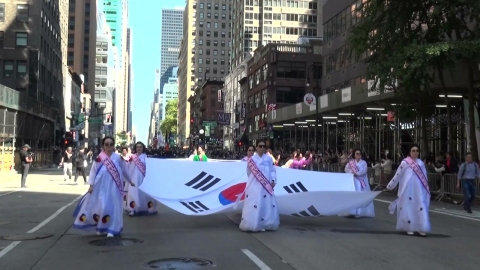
(169, 123)
(122, 138)
(414, 46)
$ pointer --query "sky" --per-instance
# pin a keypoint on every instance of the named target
(146, 24)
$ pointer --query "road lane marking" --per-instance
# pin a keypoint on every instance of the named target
(38, 227)
(439, 212)
(5, 194)
(256, 260)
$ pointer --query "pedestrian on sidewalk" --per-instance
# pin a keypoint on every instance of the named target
(467, 174)
(66, 161)
(26, 159)
(81, 164)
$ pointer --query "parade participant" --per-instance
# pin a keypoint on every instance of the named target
(288, 164)
(101, 208)
(250, 152)
(300, 162)
(200, 156)
(259, 211)
(138, 203)
(125, 154)
(192, 156)
(413, 201)
(358, 167)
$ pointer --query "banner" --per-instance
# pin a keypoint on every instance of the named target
(206, 188)
(223, 119)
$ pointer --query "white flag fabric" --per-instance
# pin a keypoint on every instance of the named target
(205, 188)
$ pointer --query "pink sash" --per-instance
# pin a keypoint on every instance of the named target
(107, 162)
(353, 166)
(420, 175)
(139, 164)
(259, 176)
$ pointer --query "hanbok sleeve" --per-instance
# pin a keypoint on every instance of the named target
(398, 176)
(364, 168)
(125, 172)
(347, 168)
(93, 174)
(273, 172)
(307, 162)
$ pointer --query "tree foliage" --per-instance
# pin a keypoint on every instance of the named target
(122, 138)
(169, 123)
(411, 45)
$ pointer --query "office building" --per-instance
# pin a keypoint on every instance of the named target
(170, 92)
(186, 70)
(31, 78)
(172, 33)
(130, 81)
(82, 34)
(258, 23)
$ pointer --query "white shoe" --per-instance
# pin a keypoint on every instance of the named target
(410, 233)
(422, 233)
(109, 235)
(132, 213)
(99, 233)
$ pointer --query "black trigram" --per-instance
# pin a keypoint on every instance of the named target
(297, 187)
(195, 207)
(310, 212)
(203, 183)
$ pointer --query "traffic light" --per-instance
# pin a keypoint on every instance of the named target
(191, 121)
(66, 142)
(239, 143)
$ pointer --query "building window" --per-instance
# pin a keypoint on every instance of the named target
(1, 39)
(22, 13)
(264, 96)
(21, 39)
(292, 70)
(21, 68)
(2, 12)
(7, 68)
(257, 100)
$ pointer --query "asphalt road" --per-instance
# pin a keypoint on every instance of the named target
(332, 243)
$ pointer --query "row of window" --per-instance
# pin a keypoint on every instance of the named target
(215, 43)
(341, 58)
(215, 16)
(10, 70)
(207, 61)
(215, 52)
(343, 21)
(207, 70)
(215, 34)
(209, 6)
(200, 79)
(283, 3)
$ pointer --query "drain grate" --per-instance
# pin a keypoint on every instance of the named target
(115, 242)
(26, 236)
(179, 264)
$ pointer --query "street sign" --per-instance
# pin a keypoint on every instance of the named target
(95, 120)
(209, 124)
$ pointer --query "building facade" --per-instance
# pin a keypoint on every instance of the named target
(258, 23)
(186, 70)
(82, 36)
(172, 34)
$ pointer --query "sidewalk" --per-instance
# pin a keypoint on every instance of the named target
(8, 176)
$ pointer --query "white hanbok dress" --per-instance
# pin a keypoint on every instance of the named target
(259, 211)
(102, 209)
(137, 201)
(413, 199)
(362, 167)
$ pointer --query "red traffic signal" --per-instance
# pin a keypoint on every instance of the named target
(66, 142)
(239, 143)
(191, 121)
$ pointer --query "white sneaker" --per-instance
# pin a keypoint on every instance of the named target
(99, 233)
(132, 213)
(410, 233)
(109, 235)
(422, 233)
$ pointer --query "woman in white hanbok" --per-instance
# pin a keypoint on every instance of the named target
(259, 211)
(413, 201)
(358, 167)
(138, 203)
(101, 208)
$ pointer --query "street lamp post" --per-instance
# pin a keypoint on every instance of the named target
(307, 83)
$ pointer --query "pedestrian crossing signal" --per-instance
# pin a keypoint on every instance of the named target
(66, 142)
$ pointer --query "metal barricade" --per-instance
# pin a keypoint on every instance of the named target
(439, 185)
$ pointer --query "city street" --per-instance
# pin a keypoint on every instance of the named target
(44, 211)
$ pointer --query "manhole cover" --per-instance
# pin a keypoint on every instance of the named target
(26, 236)
(430, 235)
(115, 242)
(179, 264)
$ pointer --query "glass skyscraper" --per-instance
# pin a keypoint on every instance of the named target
(172, 34)
(113, 10)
